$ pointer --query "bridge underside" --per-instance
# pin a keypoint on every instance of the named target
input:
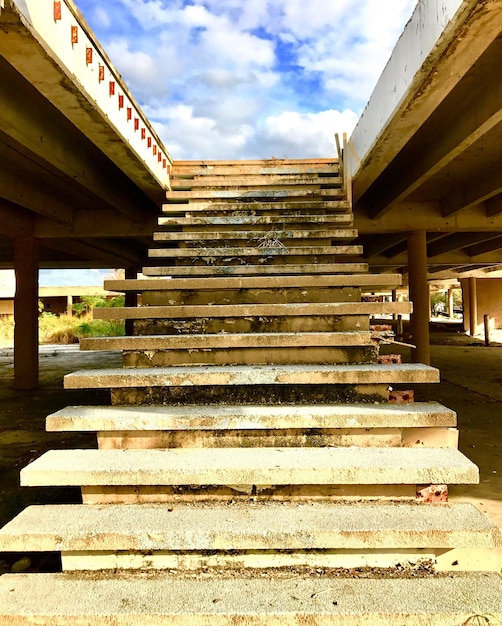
(435, 165)
(66, 179)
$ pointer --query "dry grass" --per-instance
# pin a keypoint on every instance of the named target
(62, 329)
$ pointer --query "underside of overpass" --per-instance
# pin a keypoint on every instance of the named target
(83, 173)
(426, 153)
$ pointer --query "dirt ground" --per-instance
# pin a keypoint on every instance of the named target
(471, 384)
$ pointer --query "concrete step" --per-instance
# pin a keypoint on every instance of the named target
(278, 295)
(293, 598)
(294, 309)
(311, 192)
(252, 206)
(256, 235)
(256, 270)
(227, 340)
(261, 169)
(250, 466)
(371, 281)
(249, 220)
(268, 180)
(365, 374)
(249, 526)
(279, 251)
(413, 415)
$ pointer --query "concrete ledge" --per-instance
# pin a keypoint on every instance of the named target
(251, 220)
(247, 526)
(308, 192)
(249, 179)
(227, 340)
(251, 310)
(308, 206)
(225, 417)
(254, 235)
(129, 600)
(252, 375)
(251, 466)
(255, 282)
(224, 251)
(258, 270)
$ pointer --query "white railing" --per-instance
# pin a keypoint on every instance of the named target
(63, 28)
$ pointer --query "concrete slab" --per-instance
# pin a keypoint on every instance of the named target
(251, 466)
(248, 179)
(255, 282)
(255, 235)
(225, 417)
(160, 599)
(248, 526)
(227, 340)
(229, 220)
(257, 270)
(314, 192)
(254, 250)
(366, 374)
(254, 310)
(305, 207)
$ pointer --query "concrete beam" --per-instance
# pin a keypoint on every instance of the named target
(40, 49)
(475, 105)
(408, 216)
(95, 223)
(461, 241)
(14, 221)
(474, 192)
(494, 244)
(442, 41)
(34, 127)
(108, 252)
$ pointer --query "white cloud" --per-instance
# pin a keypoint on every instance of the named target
(253, 78)
(102, 17)
(295, 135)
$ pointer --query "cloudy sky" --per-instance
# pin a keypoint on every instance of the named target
(225, 79)
(249, 78)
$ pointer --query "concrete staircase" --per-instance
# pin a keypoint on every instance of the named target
(252, 468)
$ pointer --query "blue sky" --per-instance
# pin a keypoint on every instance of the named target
(227, 79)
(249, 78)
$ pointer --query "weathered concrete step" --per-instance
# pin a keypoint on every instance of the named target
(251, 310)
(235, 220)
(247, 526)
(256, 270)
(303, 191)
(189, 171)
(273, 162)
(250, 466)
(256, 235)
(252, 207)
(302, 598)
(253, 375)
(225, 417)
(374, 281)
(242, 180)
(227, 340)
(254, 250)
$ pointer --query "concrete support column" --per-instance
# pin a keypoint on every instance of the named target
(69, 306)
(131, 298)
(450, 302)
(26, 258)
(419, 295)
(473, 307)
